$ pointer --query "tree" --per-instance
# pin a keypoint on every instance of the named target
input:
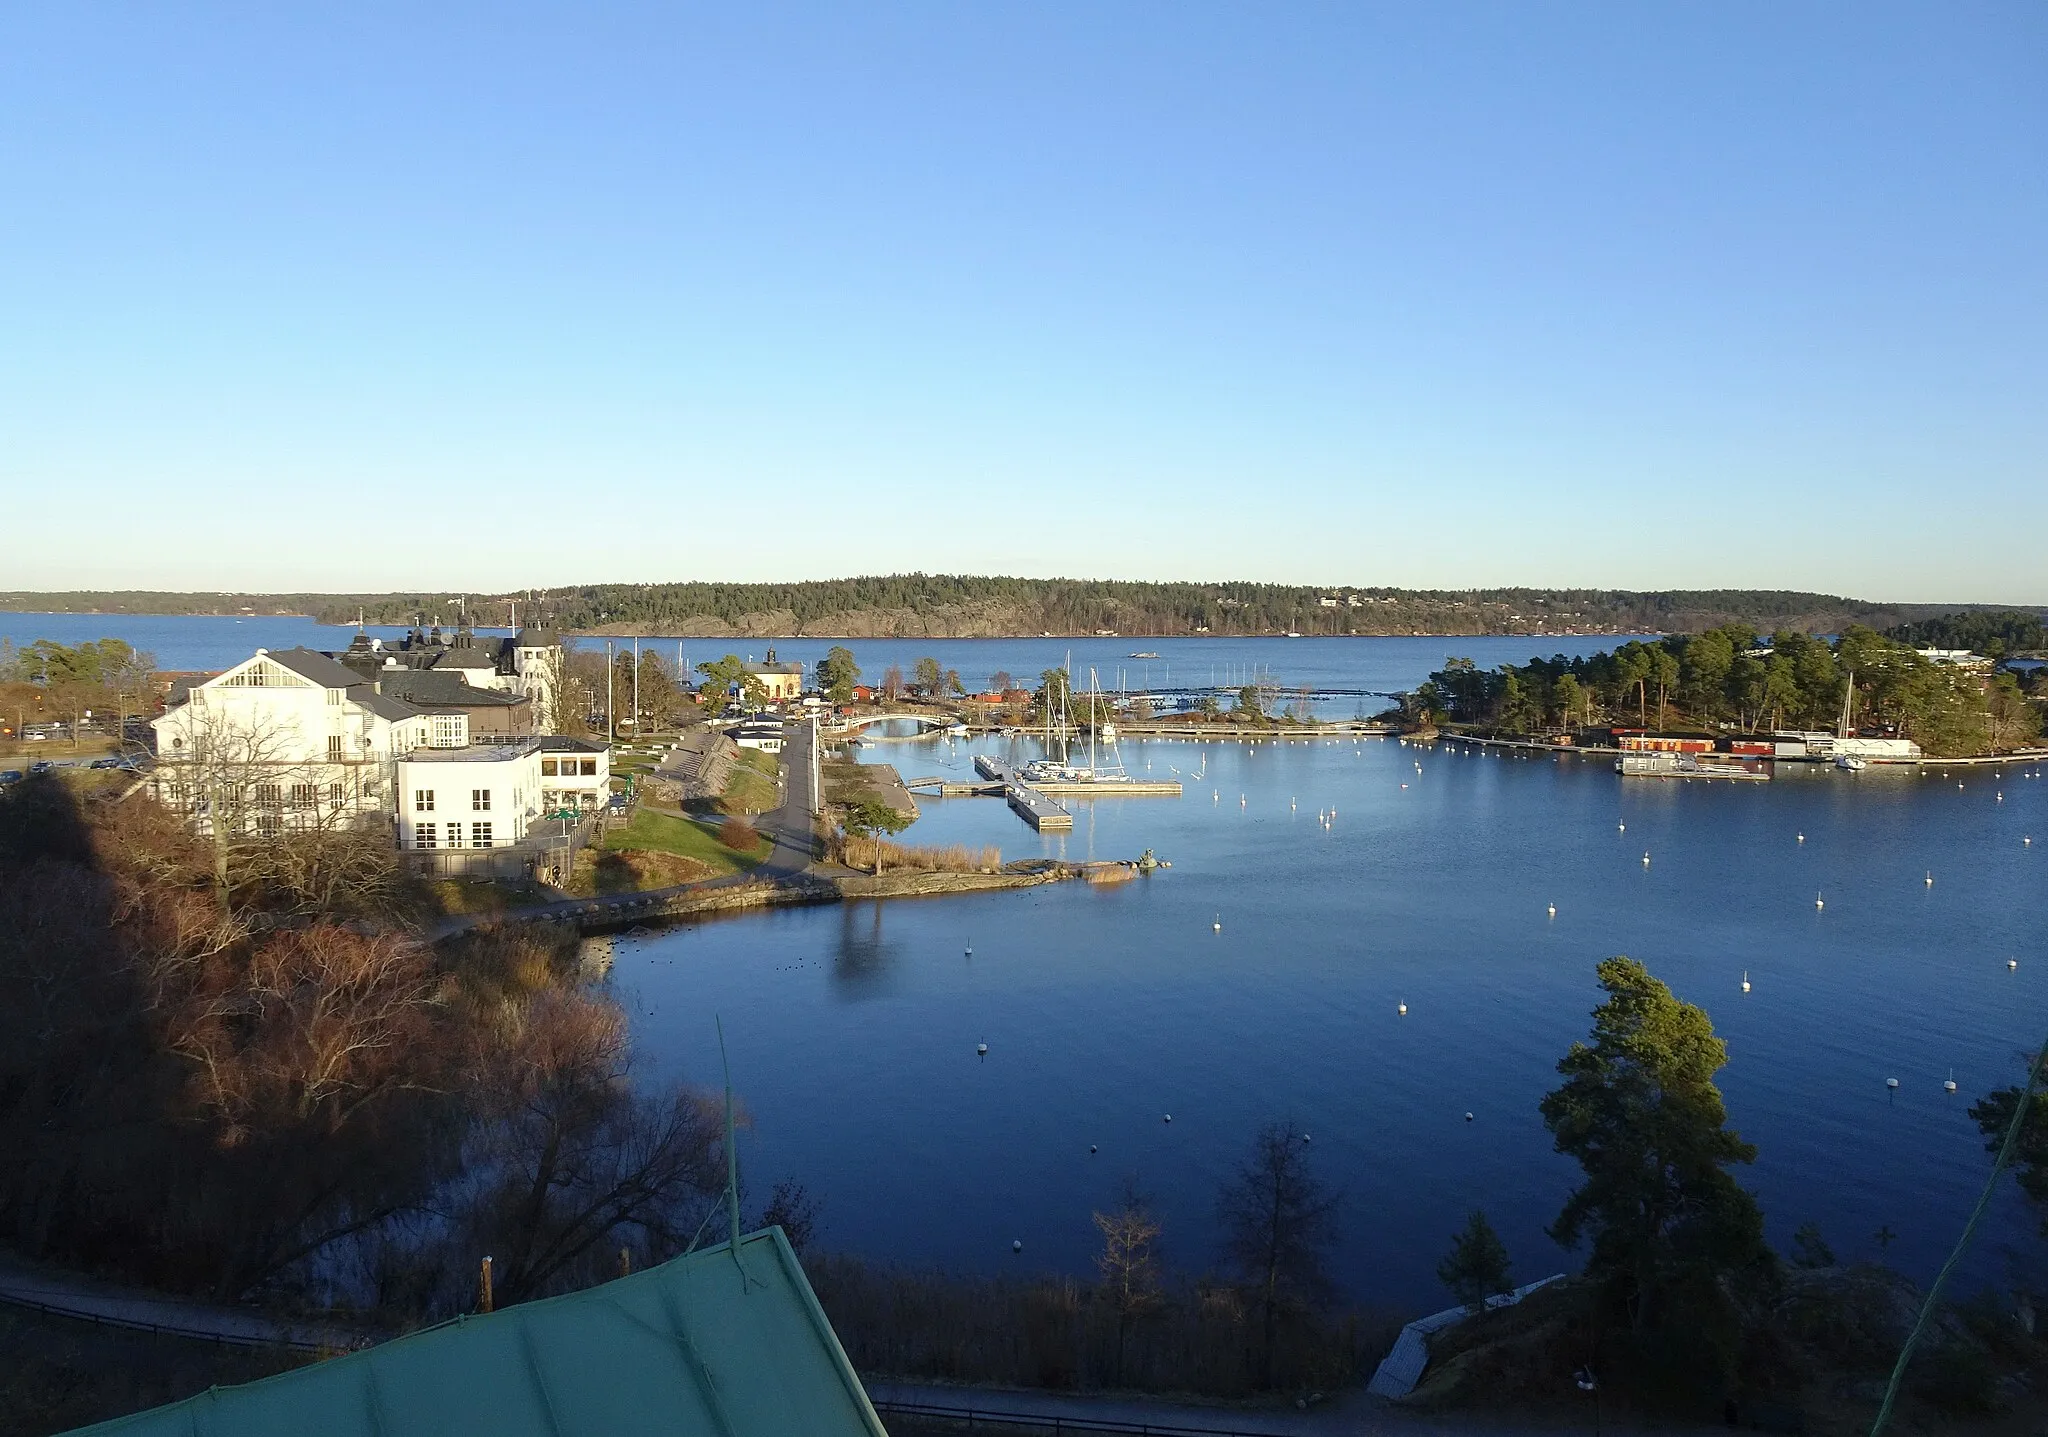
(1054, 688)
(1663, 672)
(1001, 681)
(1568, 695)
(1278, 1223)
(1639, 1111)
(873, 819)
(723, 676)
(929, 677)
(892, 683)
(1129, 1263)
(1993, 1115)
(1212, 707)
(838, 673)
(1477, 1266)
(1249, 709)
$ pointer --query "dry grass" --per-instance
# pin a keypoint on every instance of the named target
(604, 871)
(949, 858)
(1058, 1333)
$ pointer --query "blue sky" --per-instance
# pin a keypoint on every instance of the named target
(492, 295)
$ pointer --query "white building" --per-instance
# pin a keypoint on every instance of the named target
(285, 739)
(492, 796)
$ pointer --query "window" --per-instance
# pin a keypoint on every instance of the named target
(269, 824)
(180, 796)
(547, 768)
(333, 746)
(450, 731)
(590, 768)
(269, 795)
(305, 795)
(423, 800)
(480, 800)
(334, 795)
(479, 835)
(423, 835)
(333, 701)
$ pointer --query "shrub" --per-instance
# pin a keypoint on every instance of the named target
(739, 835)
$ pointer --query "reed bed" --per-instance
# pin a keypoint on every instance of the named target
(860, 853)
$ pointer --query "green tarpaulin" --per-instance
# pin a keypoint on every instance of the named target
(689, 1347)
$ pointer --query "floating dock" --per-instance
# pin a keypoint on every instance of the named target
(997, 771)
(1036, 809)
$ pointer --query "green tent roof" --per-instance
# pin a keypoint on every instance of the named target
(685, 1348)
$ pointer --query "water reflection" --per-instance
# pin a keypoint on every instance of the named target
(863, 959)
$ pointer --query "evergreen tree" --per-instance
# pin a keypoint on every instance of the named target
(1666, 1221)
(1477, 1265)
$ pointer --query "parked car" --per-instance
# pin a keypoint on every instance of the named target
(104, 763)
(10, 775)
(41, 765)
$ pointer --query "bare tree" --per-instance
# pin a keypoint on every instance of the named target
(1278, 1222)
(1129, 1263)
(574, 1160)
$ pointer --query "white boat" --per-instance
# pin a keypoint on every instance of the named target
(1850, 762)
(1146, 655)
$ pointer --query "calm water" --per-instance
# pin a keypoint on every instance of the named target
(852, 1029)
(1380, 666)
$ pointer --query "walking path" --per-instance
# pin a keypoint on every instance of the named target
(1350, 1413)
(67, 1294)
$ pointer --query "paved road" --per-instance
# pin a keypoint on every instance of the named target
(1351, 1413)
(790, 826)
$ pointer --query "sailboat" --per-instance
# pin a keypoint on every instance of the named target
(1849, 761)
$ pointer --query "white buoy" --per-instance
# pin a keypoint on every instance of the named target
(1802, 838)
(1468, 1117)
(1930, 878)
(1168, 1117)
(1402, 1009)
(1646, 860)
(970, 950)
(1016, 1245)
(1949, 1086)
(1745, 980)
(982, 1049)
(1553, 910)
(2011, 964)
(1091, 1147)
(1218, 924)
(1818, 902)
(1891, 1082)
(1621, 828)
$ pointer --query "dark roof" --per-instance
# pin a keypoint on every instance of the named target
(378, 704)
(311, 664)
(464, 657)
(537, 637)
(433, 688)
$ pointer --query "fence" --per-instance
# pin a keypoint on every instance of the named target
(167, 1329)
(983, 1419)
(547, 853)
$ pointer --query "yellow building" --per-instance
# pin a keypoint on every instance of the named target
(783, 682)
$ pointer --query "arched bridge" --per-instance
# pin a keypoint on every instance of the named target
(926, 722)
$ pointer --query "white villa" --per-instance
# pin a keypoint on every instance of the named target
(296, 739)
(292, 738)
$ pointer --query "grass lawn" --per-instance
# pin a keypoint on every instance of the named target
(752, 789)
(652, 832)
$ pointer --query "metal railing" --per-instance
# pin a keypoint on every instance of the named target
(166, 1329)
(983, 1419)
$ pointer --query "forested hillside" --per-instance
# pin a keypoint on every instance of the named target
(964, 606)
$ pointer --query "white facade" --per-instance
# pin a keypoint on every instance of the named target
(286, 739)
(491, 796)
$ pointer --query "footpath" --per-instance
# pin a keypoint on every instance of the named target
(1350, 1413)
(29, 1285)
